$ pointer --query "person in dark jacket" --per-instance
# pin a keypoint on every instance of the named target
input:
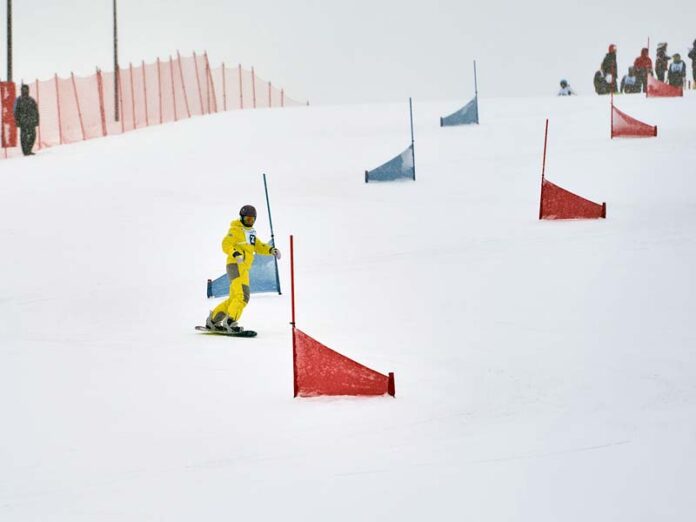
(692, 55)
(609, 67)
(26, 115)
(677, 71)
(600, 84)
(643, 66)
(661, 61)
(630, 83)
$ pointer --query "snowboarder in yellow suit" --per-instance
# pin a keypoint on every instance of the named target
(241, 245)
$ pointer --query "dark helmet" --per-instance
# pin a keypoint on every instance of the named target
(247, 210)
(24, 89)
(564, 84)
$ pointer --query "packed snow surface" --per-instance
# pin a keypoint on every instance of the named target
(545, 371)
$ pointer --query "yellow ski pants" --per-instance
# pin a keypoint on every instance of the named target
(234, 305)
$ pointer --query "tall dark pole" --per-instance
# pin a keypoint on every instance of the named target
(9, 40)
(117, 72)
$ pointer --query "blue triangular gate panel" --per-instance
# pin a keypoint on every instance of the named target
(263, 277)
(464, 116)
(396, 168)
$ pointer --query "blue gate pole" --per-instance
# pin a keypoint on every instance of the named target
(476, 93)
(413, 148)
(270, 221)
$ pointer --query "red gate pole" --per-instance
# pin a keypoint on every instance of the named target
(543, 169)
(60, 126)
(159, 88)
(77, 102)
(100, 92)
(147, 117)
(38, 103)
(198, 82)
(224, 88)
(132, 89)
(292, 298)
(253, 86)
(171, 74)
(292, 278)
(183, 85)
(241, 89)
(611, 131)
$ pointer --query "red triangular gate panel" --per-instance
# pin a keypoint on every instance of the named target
(656, 88)
(558, 203)
(319, 370)
(623, 125)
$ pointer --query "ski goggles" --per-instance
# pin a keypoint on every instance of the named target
(248, 220)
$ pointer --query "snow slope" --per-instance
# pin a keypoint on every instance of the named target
(545, 371)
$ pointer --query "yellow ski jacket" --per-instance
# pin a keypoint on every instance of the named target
(243, 240)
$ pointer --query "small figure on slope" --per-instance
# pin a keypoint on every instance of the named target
(566, 90)
(661, 61)
(643, 67)
(600, 84)
(609, 68)
(630, 83)
(241, 245)
(26, 115)
(677, 71)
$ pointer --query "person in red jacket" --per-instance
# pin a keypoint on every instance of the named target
(643, 66)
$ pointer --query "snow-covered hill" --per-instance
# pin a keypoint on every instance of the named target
(545, 371)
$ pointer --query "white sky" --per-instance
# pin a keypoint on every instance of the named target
(357, 51)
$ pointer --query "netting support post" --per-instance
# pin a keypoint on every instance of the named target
(77, 102)
(120, 101)
(100, 92)
(253, 86)
(171, 74)
(282, 97)
(198, 82)
(147, 116)
(159, 89)
(241, 88)
(60, 123)
(210, 84)
(270, 99)
(604, 210)
(132, 90)
(183, 85)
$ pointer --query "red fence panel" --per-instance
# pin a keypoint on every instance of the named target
(8, 95)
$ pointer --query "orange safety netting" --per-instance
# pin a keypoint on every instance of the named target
(80, 108)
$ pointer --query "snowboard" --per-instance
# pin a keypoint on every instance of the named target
(243, 333)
